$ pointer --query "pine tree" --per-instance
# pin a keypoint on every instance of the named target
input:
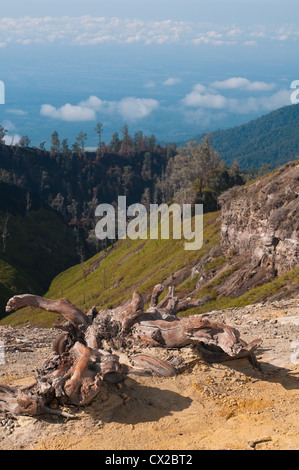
(24, 141)
(115, 143)
(99, 130)
(65, 148)
(80, 139)
(55, 144)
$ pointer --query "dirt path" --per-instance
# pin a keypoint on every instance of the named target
(219, 406)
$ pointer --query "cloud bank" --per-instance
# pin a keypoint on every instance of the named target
(206, 103)
(212, 101)
(88, 30)
(171, 81)
(12, 139)
(68, 112)
(129, 108)
(242, 84)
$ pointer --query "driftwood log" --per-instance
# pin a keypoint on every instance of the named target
(82, 356)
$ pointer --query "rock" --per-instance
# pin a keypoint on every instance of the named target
(262, 227)
(293, 320)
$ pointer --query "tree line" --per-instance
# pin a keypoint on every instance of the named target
(124, 145)
(74, 181)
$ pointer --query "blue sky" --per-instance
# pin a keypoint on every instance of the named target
(169, 67)
(214, 11)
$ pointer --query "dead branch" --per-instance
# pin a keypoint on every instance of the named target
(61, 306)
(79, 363)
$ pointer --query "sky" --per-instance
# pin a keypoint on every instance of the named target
(171, 68)
(243, 12)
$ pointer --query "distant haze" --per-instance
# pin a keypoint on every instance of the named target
(170, 68)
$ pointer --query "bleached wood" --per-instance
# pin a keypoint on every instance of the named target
(79, 363)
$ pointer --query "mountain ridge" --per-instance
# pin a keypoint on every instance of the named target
(270, 139)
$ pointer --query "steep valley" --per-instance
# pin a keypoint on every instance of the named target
(249, 254)
(246, 275)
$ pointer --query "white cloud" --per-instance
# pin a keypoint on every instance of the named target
(136, 108)
(214, 34)
(171, 81)
(68, 112)
(261, 104)
(277, 100)
(95, 103)
(242, 84)
(12, 139)
(199, 97)
(200, 88)
(129, 108)
(208, 100)
(201, 40)
(258, 34)
(250, 43)
(89, 30)
(204, 103)
(234, 32)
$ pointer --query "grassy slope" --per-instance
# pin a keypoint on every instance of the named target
(109, 278)
(38, 246)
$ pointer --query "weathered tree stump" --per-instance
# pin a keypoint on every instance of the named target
(81, 359)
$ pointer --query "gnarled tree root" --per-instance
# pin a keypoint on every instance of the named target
(80, 361)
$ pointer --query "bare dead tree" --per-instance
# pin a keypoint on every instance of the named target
(82, 358)
(5, 234)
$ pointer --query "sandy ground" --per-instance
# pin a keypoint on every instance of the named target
(229, 405)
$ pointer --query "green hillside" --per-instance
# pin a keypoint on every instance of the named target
(272, 139)
(110, 277)
(35, 245)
